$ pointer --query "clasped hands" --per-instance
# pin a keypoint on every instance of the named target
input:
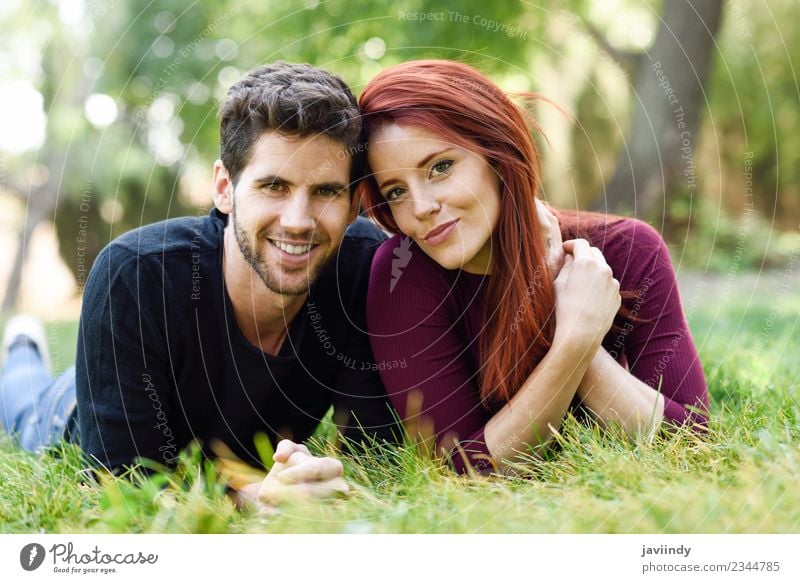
(296, 475)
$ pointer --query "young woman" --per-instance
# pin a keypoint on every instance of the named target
(487, 328)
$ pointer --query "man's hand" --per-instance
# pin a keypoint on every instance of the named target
(298, 475)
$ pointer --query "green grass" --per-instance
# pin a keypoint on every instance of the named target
(744, 477)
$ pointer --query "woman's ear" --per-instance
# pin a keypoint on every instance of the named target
(222, 189)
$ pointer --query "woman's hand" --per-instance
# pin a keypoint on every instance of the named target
(587, 296)
(551, 232)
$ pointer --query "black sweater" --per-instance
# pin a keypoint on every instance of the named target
(161, 360)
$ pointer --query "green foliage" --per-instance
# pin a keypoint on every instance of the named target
(711, 238)
(44, 492)
(753, 97)
(167, 65)
(188, 499)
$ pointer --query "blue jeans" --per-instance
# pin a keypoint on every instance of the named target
(35, 407)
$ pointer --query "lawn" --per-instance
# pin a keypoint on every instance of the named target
(743, 477)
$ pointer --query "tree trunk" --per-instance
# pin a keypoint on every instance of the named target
(658, 156)
(33, 217)
(41, 201)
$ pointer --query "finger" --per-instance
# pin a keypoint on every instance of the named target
(556, 245)
(565, 270)
(287, 447)
(555, 229)
(549, 224)
(542, 214)
(601, 260)
(315, 470)
(298, 458)
(247, 494)
(278, 492)
(578, 248)
(550, 228)
(335, 487)
(328, 489)
(284, 449)
(598, 255)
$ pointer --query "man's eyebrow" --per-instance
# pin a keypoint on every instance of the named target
(271, 179)
(422, 164)
(275, 179)
(335, 186)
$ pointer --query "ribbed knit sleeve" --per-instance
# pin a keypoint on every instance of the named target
(423, 357)
(658, 348)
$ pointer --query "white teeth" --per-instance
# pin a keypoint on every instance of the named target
(292, 249)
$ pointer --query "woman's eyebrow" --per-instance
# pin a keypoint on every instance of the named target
(422, 163)
(429, 157)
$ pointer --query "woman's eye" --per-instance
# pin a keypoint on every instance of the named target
(441, 167)
(393, 194)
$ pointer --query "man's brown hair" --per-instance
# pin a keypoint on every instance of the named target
(294, 99)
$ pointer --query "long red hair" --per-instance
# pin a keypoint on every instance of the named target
(463, 106)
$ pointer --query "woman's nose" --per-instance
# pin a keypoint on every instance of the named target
(425, 205)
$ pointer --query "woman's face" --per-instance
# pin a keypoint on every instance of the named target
(444, 197)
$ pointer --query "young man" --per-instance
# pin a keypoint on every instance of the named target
(249, 320)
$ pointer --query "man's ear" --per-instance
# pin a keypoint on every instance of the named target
(355, 207)
(222, 189)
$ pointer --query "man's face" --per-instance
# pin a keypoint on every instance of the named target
(291, 206)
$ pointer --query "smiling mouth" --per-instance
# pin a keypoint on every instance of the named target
(293, 248)
(440, 233)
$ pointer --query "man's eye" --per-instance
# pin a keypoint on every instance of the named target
(441, 167)
(273, 186)
(328, 192)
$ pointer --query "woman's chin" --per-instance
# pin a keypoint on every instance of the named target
(446, 260)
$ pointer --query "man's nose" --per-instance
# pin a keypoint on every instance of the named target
(296, 216)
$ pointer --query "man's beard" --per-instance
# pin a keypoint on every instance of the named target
(271, 279)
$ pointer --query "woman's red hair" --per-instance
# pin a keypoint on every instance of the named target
(465, 108)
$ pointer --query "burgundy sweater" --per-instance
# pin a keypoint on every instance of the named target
(425, 323)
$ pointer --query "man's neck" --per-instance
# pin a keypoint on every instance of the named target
(263, 316)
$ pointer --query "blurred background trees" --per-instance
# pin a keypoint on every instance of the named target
(108, 107)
